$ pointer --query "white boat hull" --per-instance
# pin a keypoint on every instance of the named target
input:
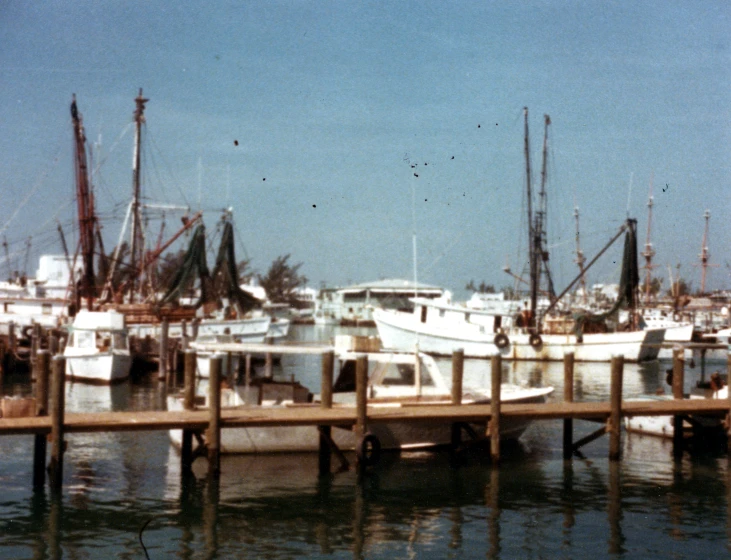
(392, 436)
(398, 331)
(243, 330)
(108, 367)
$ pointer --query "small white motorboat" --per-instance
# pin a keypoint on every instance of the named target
(97, 350)
(394, 380)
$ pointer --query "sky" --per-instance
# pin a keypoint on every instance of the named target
(346, 134)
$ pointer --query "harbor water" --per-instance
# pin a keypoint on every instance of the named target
(123, 495)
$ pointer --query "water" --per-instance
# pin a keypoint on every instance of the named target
(415, 505)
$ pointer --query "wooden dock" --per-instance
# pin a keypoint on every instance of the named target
(51, 422)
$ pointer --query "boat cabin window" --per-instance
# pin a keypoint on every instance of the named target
(119, 341)
(84, 339)
(345, 382)
(404, 375)
(498, 322)
(423, 313)
(46, 308)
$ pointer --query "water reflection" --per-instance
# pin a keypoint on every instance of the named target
(414, 504)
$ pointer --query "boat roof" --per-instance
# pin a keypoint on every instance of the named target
(392, 285)
(98, 320)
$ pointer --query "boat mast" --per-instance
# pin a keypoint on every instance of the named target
(532, 257)
(540, 226)
(136, 251)
(649, 251)
(85, 206)
(705, 255)
(580, 258)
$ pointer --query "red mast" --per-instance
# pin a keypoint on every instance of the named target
(85, 205)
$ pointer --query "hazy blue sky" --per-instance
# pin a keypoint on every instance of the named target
(332, 103)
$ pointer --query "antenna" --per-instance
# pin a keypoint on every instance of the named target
(705, 256)
(649, 251)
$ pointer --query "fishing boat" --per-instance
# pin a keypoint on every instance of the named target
(663, 426)
(98, 348)
(394, 380)
(531, 333)
(203, 357)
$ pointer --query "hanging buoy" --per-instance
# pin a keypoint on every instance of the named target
(501, 340)
(535, 341)
(368, 450)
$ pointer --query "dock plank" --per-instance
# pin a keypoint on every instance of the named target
(345, 415)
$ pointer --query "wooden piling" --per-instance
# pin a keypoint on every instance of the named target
(186, 448)
(326, 400)
(678, 384)
(58, 398)
(35, 344)
(53, 344)
(163, 373)
(361, 396)
(43, 360)
(568, 396)
(214, 419)
(494, 431)
(12, 338)
(2, 363)
(457, 375)
(728, 417)
(615, 400)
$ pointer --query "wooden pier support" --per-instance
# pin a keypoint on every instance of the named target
(494, 427)
(457, 377)
(186, 448)
(678, 384)
(614, 426)
(163, 373)
(326, 400)
(361, 401)
(58, 404)
(728, 416)
(42, 365)
(214, 419)
(568, 396)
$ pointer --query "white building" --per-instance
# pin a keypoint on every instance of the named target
(354, 304)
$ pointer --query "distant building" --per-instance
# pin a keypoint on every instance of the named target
(354, 304)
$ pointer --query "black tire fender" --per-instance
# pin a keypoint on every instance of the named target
(501, 340)
(369, 450)
(535, 341)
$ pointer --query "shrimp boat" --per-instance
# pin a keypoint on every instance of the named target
(544, 334)
(98, 348)
(394, 380)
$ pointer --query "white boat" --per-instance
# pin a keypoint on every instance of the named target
(203, 357)
(98, 348)
(250, 329)
(394, 380)
(440, 328)
(533, 333)
(663, 426)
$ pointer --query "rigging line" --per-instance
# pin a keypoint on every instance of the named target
(167, 165)
(33, 190)
(113, 147)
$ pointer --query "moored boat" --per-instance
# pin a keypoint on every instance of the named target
(395, 380)
(98, 348)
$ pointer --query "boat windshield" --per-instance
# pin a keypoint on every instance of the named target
(119, 341)
(84, 339)
(388, 374)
